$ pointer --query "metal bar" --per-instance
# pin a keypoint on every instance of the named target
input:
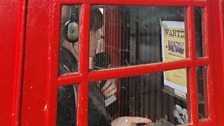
(208, 43)
(84, 39)
(191, 33)
(82, 118)
(69, 79)
(199, 3)
(82, 113)
(52, 71)
(202, 61)
(151, 2)
(138, 70)
(193, 98)
(192, 87)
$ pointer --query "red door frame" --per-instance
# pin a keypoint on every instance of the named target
(12, 25)
(37, 78)
(218, 39)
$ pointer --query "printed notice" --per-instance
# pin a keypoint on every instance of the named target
(174, 48)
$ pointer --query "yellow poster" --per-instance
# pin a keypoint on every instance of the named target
(173, 49)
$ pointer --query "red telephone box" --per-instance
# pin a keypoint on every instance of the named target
(30, 44)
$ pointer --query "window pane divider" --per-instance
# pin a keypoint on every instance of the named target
(69, 79)
(202, 61)
(208, 44)
(138, 70)
(199, 3)
(75, 78)
(84, 39)
(151, 2)
(192, 85)
(82, 114)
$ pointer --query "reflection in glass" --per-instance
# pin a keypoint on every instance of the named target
(146, 96)
(69, 39)
(202, 92)
(132, 35)
(199, 32)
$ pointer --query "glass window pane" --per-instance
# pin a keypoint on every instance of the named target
(69, 39)
(200, 32)
(68, 63)
(67, 105)
(133, 35)
(161, 97)
(202, 92)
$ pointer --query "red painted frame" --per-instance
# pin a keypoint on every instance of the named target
(11, 57)
(84, 75)
(31, 87)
